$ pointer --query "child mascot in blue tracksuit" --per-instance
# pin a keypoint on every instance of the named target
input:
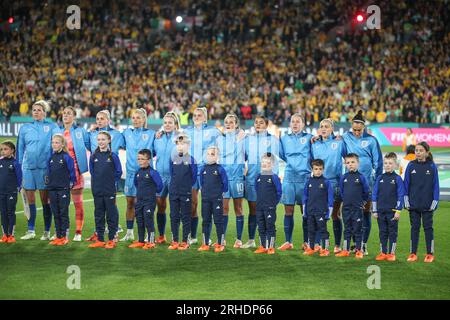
(61, 177)
(10, 184)
(214, 183)
(387, 202)
(268, 194)
(106, 170)
(355, 194)
(422, 198)
(317, 207)
(148, 183)
(183, 176)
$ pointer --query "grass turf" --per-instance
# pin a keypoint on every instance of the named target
(35, 270)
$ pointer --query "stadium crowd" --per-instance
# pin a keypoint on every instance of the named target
(272, 58)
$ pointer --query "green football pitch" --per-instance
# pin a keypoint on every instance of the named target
(35, 270)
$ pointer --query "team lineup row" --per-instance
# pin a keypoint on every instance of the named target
(228, 165)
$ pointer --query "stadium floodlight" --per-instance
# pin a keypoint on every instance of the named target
(359, 18)
(179, 19)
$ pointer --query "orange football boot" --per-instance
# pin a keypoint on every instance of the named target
(173, 246)
(260, 249)
(343, 253)
(412, 257)
(137, 244)
(429, 258)
(97, 244)
(183, 246)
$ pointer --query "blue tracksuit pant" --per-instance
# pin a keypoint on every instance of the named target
(266, 219)
(353, 220)
(426, 217)
(212, 209)
(317, 226)
(180, 211)
(105, 207)
(388, 229)
(145, 220)
(59, 204)
(8, 212)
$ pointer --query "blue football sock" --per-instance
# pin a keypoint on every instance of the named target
(130, 224)
(161, 221)
(225, 224)
(194, 225)
(288, 227)
(251, 227)
(47, 217)
(239, 226)
(32, 221)
(337, 229)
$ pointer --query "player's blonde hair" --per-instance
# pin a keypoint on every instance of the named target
(232, 116)
(174, 117)
(143, 113)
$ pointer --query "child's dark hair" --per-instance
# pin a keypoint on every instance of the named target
(391, 155)
(145, 152)
(266, 121)
(318, 163)
(10, 145)
(352, 155)
(410, 149)
(426, 146)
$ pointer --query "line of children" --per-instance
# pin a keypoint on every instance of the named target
(419, 192)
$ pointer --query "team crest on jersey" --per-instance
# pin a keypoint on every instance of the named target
(46, 128)
(61, 161)
(145, 137)
(381, 181)
(414, 171)
(78, 135)
(108, 160)
(357, 180)
(321, 186)
(364, 143)
(186, 163)
(393, 181)
(204, 172)
(310, 185)
(345, 180)
(334, 146)
(428, 172)
(95, 160)
(215, 173)
(269, 180)
(51, 161)
(303, 140)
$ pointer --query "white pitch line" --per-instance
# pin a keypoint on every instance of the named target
(88, 200)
